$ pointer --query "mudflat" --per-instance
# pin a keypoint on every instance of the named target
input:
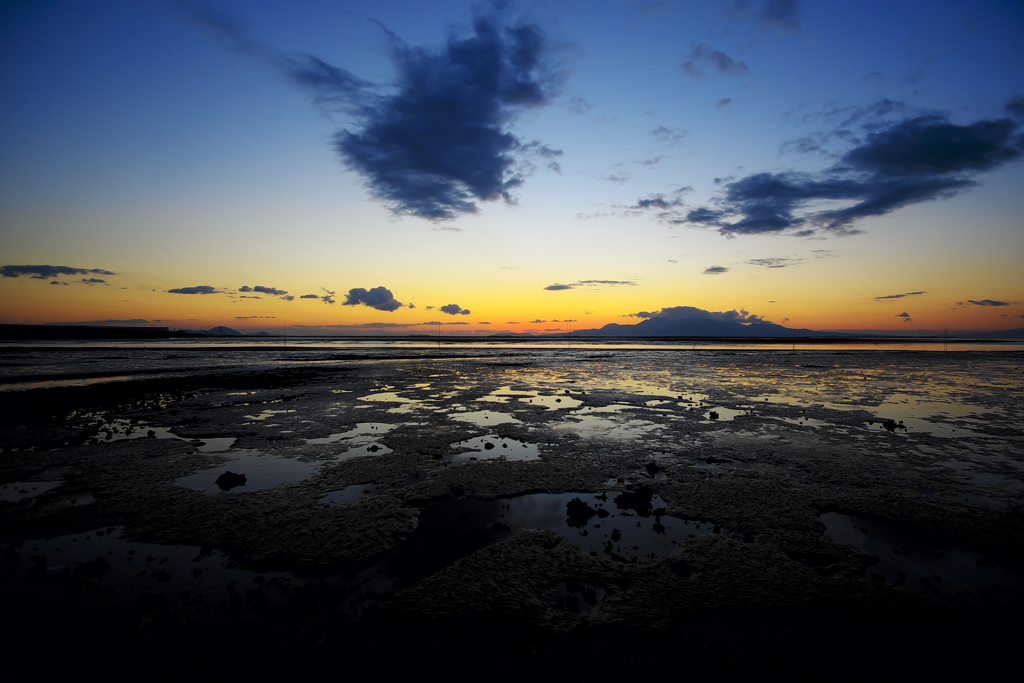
(540, 513)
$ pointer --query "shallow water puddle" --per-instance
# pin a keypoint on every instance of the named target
(363, 431)
(217, 444)
(112, 569)
(484, 418)
(349, 494)
(119, 429)
(17, 491)
(248, 471)
(591, 426)
(920, 561)
(627, 526)
(492, 448)
(264, 414)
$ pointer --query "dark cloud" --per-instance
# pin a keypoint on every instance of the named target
(588, 283)
(578, 105)
(780, 14)
(777, 262)
(921, 159)
(693, 313)
(49, 272)
(59, 283)
(93, 281)
(724, 102)
(245, 296)
(439, 140)
(289, 297)
(716, 270)
(905, 316)
(255, 317)
(379, 298)
(621, 179)
(669, 136)
(454, 309)
(722, 63)
(199, 289)
(1015, 106)
(660, 201)
(897, 296)
(245, 288)
(784, 14)
(310, 296)
(328, 297)
(537, 322)
(988, 302)
(268, 290)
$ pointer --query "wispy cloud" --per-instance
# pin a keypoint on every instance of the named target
(774, 262)
(897, 296)
(49, 272)
(719, 62)
(198, 289)
(716, 270)
(988, 302)
(589, 283)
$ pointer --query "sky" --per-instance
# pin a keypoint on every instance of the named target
(356, 167)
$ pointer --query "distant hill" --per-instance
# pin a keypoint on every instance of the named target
(1017, 333)
(699, 326)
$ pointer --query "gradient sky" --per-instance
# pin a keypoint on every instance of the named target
(364, 167)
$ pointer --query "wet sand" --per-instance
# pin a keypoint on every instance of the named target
(546, 513)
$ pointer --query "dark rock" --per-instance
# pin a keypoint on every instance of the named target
(229, 480)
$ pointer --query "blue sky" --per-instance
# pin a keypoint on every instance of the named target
(177, 145)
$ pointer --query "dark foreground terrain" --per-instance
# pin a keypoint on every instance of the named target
(540, 515)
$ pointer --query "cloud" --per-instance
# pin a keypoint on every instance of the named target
(93, 281)
(55, 282)
(264, 290)
(988, 302)
(897, 296)
(379, 298)
(661, 201)
(621, 179)
(255, 317)
(454, 309)
(652, 162)
(578, 105)
(589, 283)
(328, 297)
(249, 297)
(916, 160)
(1015, 107)
(440, 139)
(693, 313)
(49, 272)
(669, 136)
(905, 316)
(199, 289)
(716, 270)
(780, 14)
(724, 102)
(310, 296)
(714, 59)
(777, 262)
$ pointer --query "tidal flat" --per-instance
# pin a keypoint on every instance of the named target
(461, 513)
